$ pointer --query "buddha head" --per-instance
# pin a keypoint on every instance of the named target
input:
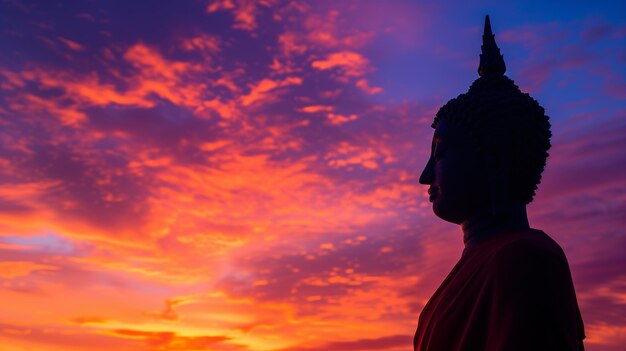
(490, 144)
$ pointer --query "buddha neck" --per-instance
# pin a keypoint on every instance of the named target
(483, 225)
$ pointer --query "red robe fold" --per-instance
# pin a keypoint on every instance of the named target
(511, 292)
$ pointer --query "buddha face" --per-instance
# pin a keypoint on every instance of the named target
(456, 174)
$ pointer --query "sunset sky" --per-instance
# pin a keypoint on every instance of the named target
(243, 175)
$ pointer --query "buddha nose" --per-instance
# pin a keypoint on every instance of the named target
(428, 174)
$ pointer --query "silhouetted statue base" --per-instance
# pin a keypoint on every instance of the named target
(511, 292)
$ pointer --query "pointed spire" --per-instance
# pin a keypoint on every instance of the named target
(491, 61)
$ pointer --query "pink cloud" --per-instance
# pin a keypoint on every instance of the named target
(363, 84)
(204, 43)
(72, 45)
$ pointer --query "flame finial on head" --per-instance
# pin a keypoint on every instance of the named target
(491, 61)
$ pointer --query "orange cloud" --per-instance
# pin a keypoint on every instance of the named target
(84, 91)
(347, 155)
(34, 104)
(337, 119)
(259, 92)
(216, 145)
(226, 110)
(291, 43)
(203, 42)
(163, 77)
(156, 76)
(327, 29)
(171, 341)
(317, 108)
(244, 12)
(31, 214)
(152, 63)
(22, 268)
(227, 82)
(604, 334)
(352, 63)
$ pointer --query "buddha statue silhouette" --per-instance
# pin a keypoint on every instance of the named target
(512, 288)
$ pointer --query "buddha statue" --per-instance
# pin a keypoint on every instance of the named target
(512, 287)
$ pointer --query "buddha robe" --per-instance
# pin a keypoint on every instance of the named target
(511, 292)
